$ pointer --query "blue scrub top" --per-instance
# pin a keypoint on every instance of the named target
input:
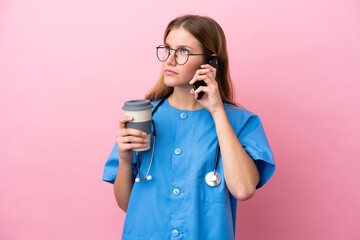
(177, 203)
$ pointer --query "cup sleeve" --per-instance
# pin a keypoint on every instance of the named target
(253, 139)
(112, 165)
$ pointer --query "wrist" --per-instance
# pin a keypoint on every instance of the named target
(218, 113)
(123, 161)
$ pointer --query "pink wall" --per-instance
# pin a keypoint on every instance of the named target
(66, 67)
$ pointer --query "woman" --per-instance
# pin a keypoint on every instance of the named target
(178, 203)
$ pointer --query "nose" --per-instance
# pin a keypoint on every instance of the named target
(171, 58)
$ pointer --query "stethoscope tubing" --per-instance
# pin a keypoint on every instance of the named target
(213, 178)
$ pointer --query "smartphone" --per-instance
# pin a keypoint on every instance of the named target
(214, 63)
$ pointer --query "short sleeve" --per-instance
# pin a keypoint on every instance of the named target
(253, 139)
(112, 165)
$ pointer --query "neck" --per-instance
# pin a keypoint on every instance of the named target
(183, 100)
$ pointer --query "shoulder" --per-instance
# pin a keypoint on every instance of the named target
(236, 111)
(240, 117)
(155, 102)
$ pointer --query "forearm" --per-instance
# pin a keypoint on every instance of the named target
(240, 171)
(123, 184)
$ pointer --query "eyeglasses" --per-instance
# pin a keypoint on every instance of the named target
(181, 54)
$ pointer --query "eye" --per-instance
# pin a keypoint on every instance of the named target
(184, 51)
(167, 49)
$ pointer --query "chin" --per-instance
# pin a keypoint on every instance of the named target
(174, 82)
(169, 82)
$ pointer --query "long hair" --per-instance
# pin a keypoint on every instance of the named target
(212, 39)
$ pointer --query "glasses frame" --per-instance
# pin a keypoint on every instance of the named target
(175, 50)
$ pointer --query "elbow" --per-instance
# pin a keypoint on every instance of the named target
(124, 209)
(122, 206)
(245, 193)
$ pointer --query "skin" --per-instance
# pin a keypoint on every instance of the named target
(240, 172)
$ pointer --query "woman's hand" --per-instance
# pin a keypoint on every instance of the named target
(128, 139)
(211, 100)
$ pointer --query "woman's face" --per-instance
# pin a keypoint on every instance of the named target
(176, 75)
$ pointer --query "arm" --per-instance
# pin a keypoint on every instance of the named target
(123, 184)
(240, 171)
(127, 140)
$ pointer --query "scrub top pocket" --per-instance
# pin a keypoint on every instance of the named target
(206, 193)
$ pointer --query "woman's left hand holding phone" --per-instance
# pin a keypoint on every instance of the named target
(211, 99)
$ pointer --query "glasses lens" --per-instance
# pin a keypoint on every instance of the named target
(182, 56)
(162, 53)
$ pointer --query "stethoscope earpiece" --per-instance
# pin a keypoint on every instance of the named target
(146, 178)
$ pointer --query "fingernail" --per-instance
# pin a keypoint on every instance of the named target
(144, 134)
(129, 118)
(146, 140)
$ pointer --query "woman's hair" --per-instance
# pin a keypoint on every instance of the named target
(212, 39)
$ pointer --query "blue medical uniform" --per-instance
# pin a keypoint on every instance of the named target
(177, 203)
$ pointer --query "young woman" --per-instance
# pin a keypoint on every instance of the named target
(208, 153)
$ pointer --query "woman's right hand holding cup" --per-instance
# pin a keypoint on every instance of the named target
(129, 139)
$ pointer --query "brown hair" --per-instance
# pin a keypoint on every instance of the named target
(212, 39)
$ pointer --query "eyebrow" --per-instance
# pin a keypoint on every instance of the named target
(181, 46)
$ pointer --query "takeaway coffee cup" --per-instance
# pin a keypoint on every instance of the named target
(140, 110)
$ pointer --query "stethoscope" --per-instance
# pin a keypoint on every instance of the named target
(212, 178)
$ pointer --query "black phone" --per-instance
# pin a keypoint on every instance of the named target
(214, 63)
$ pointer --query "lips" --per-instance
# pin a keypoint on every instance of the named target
(170, 72)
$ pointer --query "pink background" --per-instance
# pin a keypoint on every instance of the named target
(67, 66)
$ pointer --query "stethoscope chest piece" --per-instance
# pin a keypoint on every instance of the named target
(213, 179)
